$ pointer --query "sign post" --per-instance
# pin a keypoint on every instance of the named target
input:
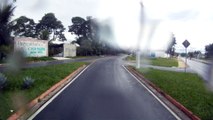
(186, 45)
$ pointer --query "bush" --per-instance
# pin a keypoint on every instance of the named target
(3, 81)
(27, 82)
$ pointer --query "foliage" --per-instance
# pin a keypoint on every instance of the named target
(194, 54)
(51, 24)
(3, 81)
(27, 82)
(44, 35)
(6, 12)
(23, 26)
(186, 88)
(45, 78)
(34, 59)
(209, 50)
(171, 47)
(94, 37)
(183, 54)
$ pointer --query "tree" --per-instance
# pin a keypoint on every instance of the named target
(94, 37)
(62, 37)
(23, 26)
(84, 29)
(44, 35)
(209, 50)
(171, 48)
(77, 26)
(6, 12)
(51, 24)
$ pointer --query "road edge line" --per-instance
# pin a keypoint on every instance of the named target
(47, 95)
(55, 95)
(158, 99)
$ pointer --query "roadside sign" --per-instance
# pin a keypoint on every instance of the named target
(186, 43)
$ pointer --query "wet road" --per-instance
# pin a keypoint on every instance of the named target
(104, 91)
(203, 69)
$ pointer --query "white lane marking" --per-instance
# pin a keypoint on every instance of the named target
(178, 118)
(51, 99)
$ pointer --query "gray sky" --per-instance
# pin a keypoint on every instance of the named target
(187, 19)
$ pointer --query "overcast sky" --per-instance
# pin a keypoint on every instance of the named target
(187, 19)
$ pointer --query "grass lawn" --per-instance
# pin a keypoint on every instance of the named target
(1, 61)
(35, 59)
(166, 62)
(13, 97)
(186, 88)
(130, 58)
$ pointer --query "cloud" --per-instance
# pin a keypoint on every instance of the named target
(187, 19)
(184, 15)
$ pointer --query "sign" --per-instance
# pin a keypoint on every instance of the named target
(186, 43)
(31, 47)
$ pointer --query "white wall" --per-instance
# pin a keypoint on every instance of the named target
(69, 50)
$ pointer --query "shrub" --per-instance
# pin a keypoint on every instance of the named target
(27, 82)
(3, 81)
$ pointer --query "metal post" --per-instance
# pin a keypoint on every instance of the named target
(185, 59)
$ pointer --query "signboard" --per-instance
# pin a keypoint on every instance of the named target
(69, 50)
(31, 47)
(186, 43)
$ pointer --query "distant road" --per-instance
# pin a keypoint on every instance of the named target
(54, 62)
(203, 69)
(104, 91)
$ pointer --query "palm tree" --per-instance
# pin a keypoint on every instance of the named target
(6, 12)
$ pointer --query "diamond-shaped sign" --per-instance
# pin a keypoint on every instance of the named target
(186, 43)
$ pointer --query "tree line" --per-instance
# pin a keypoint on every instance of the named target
(94, 37)
(90, 32)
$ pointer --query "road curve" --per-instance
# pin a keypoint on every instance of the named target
(105, 91)
(202, 69)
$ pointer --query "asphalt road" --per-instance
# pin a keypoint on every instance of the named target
(203, 69)
(105, 91)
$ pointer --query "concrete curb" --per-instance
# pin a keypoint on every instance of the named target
(168, 97)
(55, 88)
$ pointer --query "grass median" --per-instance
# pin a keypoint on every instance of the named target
(158, 61)
(165, 62)
(186, 88)
(36, 59)
(14, 97)
(131, 58)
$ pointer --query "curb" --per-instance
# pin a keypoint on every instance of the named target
(48, 92)
(168, 97)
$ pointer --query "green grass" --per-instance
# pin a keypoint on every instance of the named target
(1, 62)
(187, 88)
(44, 78)
(165, 62)
(130, 58)
(77, 57)
(35, 59)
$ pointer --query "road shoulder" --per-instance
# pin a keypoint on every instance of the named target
(26, 111)
(175, 106)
